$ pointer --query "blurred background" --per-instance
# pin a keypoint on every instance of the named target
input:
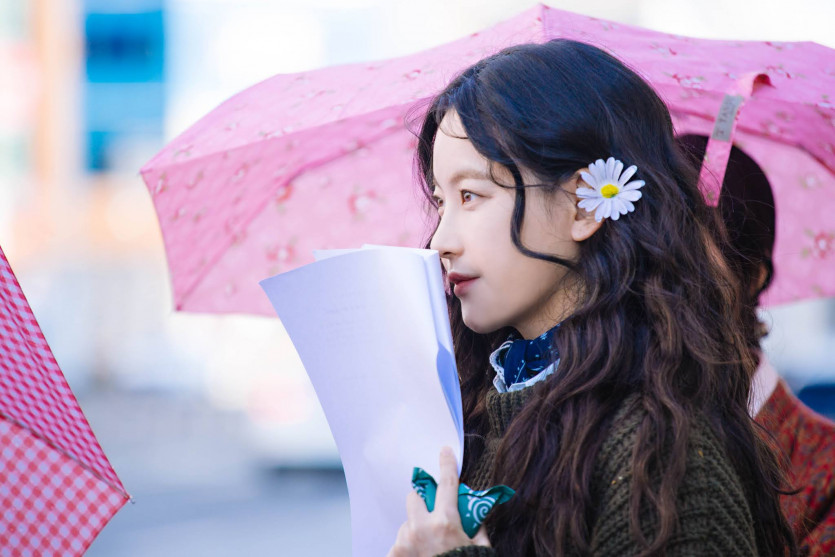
(210, 421)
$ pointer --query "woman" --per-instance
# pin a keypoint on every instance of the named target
(806, 438)
(605, 364)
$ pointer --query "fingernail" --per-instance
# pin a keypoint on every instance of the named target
(447, 452)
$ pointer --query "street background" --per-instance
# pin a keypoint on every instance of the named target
(209, 420)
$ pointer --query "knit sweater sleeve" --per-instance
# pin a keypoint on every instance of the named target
(713, 514)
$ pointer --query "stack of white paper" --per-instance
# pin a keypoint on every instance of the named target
(372, 330)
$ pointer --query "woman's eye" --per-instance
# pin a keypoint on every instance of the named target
(438, 202)
(467, 196)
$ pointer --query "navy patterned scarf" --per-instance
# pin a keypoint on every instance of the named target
(524, 359)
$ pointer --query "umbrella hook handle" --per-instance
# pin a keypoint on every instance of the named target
(719, 144)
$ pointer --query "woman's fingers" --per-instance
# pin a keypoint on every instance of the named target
(426, 533)
(446, 497)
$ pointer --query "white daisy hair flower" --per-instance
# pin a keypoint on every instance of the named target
(610, 194)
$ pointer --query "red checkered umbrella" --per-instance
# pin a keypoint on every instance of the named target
(57, 489)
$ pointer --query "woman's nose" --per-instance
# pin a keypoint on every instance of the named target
(446, 239)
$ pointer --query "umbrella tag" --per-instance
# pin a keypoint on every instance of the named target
(724, 126)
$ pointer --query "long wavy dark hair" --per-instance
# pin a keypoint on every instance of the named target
(656, 312)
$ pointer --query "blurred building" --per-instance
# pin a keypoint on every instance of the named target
(80, 231)
(19, 100)
(92, 101)
(124, 81)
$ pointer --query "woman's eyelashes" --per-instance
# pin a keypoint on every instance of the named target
(467, 198)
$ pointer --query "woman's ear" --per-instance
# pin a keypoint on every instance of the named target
(584, 225)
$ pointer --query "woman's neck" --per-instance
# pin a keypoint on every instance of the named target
(543, 323)
(559, 306)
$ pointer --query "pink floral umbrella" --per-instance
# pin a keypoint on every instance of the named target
(322, 159)
(57, 489)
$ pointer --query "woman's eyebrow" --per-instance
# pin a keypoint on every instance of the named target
(463, 174)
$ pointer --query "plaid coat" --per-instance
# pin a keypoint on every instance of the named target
(808, 440)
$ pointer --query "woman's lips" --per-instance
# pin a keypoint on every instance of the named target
(461, 283)
(462, 287)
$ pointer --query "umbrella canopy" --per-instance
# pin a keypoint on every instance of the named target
(57, 489)
(322, 159)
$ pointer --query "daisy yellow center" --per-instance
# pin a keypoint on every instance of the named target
(609, 190)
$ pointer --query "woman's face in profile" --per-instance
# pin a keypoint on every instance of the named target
(498, 286)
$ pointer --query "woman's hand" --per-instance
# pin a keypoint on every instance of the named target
(426, 534)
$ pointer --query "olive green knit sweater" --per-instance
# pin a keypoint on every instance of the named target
(714, 517)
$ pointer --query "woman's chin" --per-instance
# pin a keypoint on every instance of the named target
(480, 325)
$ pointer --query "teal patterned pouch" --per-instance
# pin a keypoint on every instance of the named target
(473, 506)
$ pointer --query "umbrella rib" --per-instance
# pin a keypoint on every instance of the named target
(118, 487)
(35, 346)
